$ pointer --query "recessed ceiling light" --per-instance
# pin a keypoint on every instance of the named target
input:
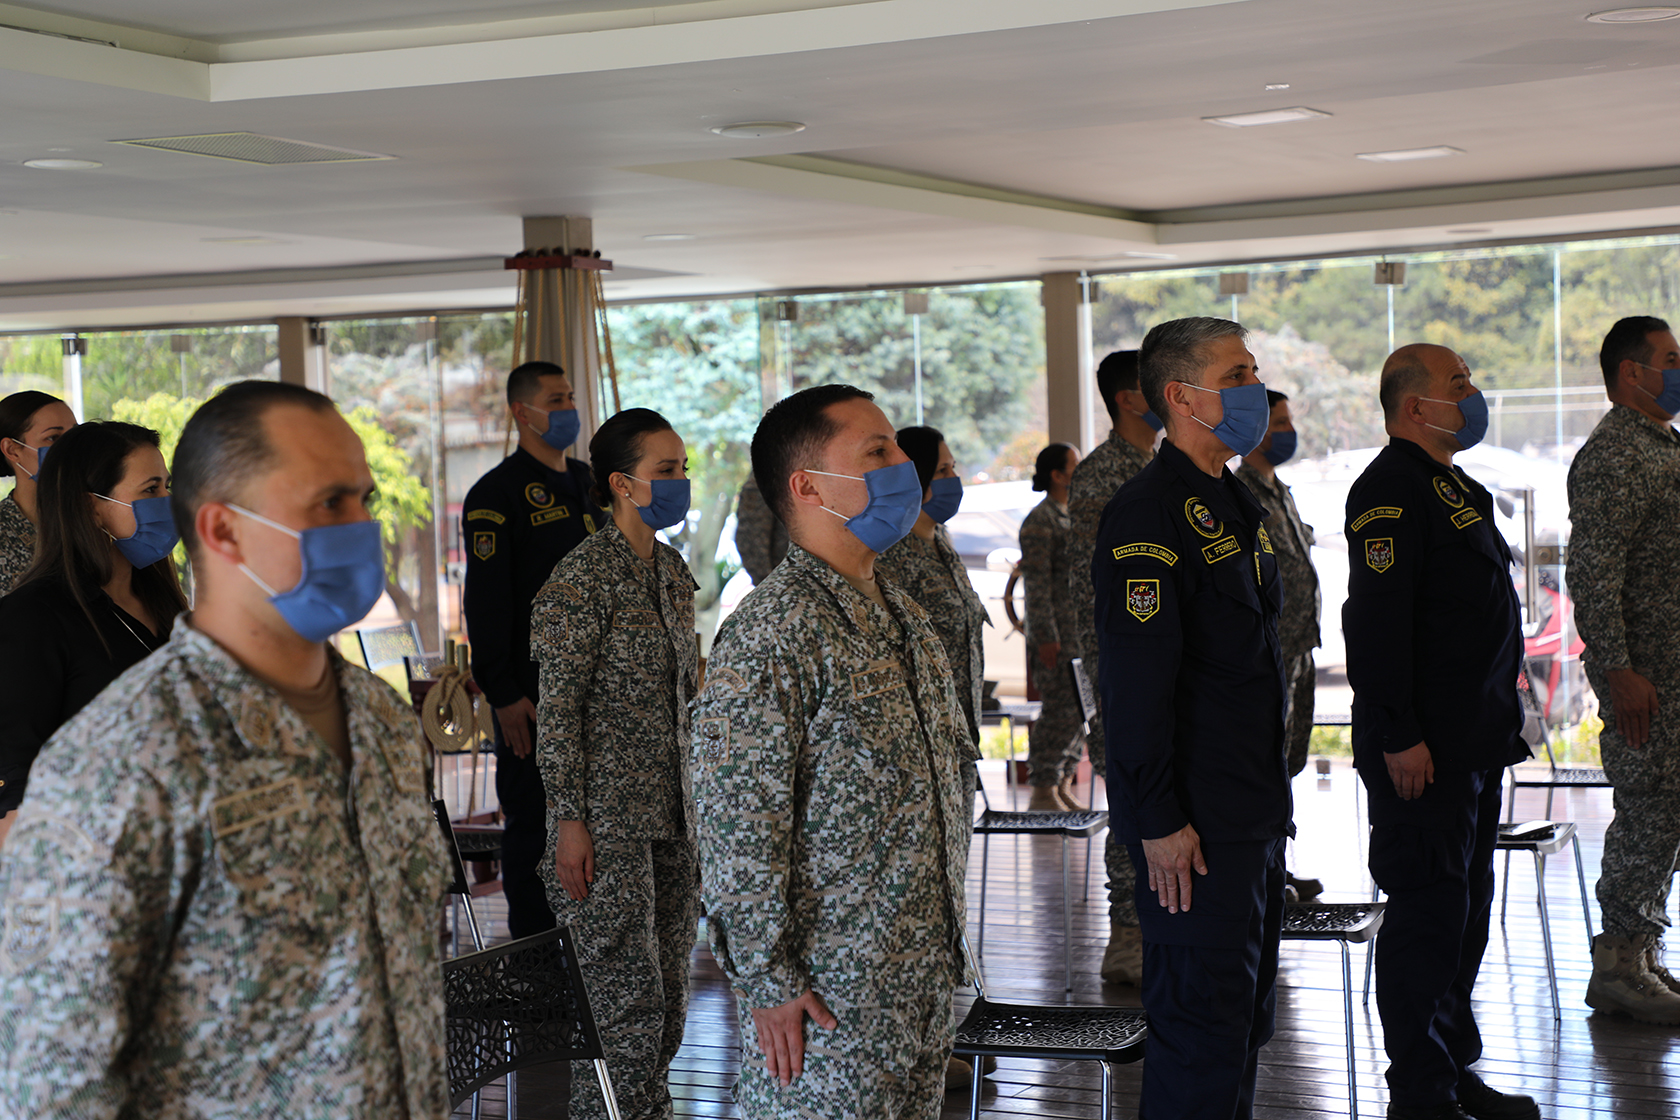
(1151, 256)
(1268, 116)
(758, 130)
(1633, 15)
(239, 240)
(1470, 229)
(667, 237)
(1405, 155)
(1275, 87)
(62, 164)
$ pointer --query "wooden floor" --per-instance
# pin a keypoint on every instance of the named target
(1588, 1065)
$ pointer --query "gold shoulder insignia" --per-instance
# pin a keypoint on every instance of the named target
(1142, 548)
(588, 523)
(486, 515)
(1143, 598)
(1379, 553)
(1202, 519)
(1265, 543)
(1376, 514)
(484, 545)
(1448, 492)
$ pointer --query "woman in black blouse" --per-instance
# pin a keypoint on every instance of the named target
(101, 594)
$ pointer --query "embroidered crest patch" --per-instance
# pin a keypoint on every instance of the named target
(1202, 519)
(484, 545)
(1379, 553)
(1449, 493)
(1143, 598)
(537, 494)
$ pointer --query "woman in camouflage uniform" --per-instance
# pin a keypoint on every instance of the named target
(1055, 742)
(613, 633)
(926, 564)
(30, 422)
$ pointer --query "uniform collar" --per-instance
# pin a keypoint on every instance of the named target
(849, 602)
(1225, 497)
(533, 465)
(1635, 420)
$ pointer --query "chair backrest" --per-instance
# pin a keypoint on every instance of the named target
(1528, 701)
(457, 868)
(1082, 686)
(388, 645)
(515, 1006)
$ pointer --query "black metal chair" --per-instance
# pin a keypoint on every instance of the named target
(460, 887)
(1109, 1035)
(1542, 839)
(519, 1005)
(1346, 923)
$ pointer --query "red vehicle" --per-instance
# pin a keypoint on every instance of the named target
(1559, 682)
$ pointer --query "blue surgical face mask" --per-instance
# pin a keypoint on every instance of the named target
(895, 501)
(668, 504)
(1247, 416)
(1148, 417)
(563, 427)
(1282, 449)
(947, 496)
(40, 457)
(154, 531)
(1667, 401)
(1474, 409)
(343, 576)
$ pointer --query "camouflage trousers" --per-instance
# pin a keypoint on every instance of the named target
(635, 934)
(1297, 731)
(1643, 840)
(879, 1063)
(1117, 862)
(1057, 738)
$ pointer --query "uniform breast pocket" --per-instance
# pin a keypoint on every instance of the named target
(1225, 602)
(279, 843)
(861, 809)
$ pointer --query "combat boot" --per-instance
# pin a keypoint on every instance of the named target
(1122, 961)
(1622, 983)
(1654, 965)
(1068, 791)
(1044, 800)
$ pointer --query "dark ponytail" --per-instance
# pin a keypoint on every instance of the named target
(617, 446)
(1051, 459)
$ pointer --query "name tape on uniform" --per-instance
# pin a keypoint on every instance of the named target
(1220, 549)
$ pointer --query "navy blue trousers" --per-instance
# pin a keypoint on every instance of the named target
(1433, 857)
(519, 787)
(1210, 983)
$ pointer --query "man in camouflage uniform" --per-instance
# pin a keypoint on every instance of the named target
(1624, 574)
(1099, 475)
(760, 538)
(221, 894)
(1298, 625)
(830, 761)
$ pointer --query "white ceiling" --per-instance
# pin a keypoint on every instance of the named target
(946, 140)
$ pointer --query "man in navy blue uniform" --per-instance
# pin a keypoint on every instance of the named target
(517, 522)
(1433, 655)
(1187, 599)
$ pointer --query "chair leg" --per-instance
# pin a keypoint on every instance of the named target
(1581, 878)
(974, 1088)
(985, 856)
(1370, 957)
(1107, 1090)
(513, 1095)
(605, 1079)
(1347, 1013)
(1067, 923)
(1546, 933)
(472, 927)
(1086, 895)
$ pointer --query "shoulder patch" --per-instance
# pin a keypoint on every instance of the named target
(537, 494)
(484, 545)
(1219, 549)
(486, 515)
(1143, 598)
(711, 741)
(1142, 548)
(724, 683)
(1201, 518)
(1465, 516)
(1375, 514)
(588, 523)
(1448, 492)
(1379, 553)
(1265, 543)
(567, 591)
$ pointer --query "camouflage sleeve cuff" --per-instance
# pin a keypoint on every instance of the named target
(780, 985)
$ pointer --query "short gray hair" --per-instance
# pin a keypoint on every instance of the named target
(1177, 351)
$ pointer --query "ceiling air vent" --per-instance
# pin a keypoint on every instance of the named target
(250, 147)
